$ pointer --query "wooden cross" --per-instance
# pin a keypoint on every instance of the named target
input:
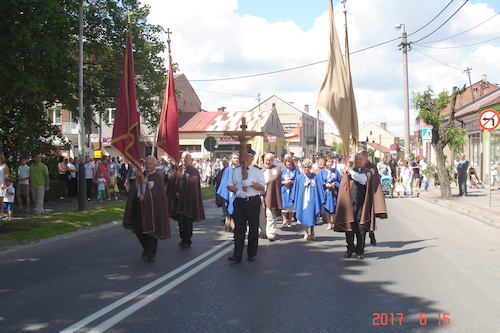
(168, 34)
(243, 136)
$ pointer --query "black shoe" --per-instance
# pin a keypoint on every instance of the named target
(236, 259)
(180, 243)
(150, 259)
(373, 241)
(361, 256)
(348, 254)
(185, 245)
(144, 253)
(251, 258)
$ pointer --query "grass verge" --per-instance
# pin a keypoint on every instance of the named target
(28, 230)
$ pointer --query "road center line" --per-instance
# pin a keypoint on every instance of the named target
(148, 299)
(139, 291)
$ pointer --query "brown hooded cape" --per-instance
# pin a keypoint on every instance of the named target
(190, 201)
(273, 188)
(218, 199)
(155, 221)
(374, 205)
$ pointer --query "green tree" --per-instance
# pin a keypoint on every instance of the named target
(36, 68)
(105, 28)
(338, 148)
(39, 66)
(430, 110)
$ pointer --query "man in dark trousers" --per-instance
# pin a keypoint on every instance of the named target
(185, 202)
(146, 211)
(357, 206)
(462, 168)
(246, 207)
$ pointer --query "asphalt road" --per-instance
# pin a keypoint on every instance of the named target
(428, 260)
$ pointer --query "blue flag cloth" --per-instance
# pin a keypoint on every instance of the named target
(227, 195)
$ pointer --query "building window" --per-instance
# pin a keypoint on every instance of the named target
(475, 149)
(54, 116)
(111, 115)
(190, 148)
(371, 133)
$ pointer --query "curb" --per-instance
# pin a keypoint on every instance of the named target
(477, 214)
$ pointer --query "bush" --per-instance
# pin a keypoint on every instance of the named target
(57, 189)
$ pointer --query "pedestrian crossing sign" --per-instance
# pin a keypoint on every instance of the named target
(426, 134)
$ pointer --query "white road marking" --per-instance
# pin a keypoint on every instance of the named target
(142, 290)
(148, 299)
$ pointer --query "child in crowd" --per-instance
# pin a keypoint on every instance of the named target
(101, 187)
(426, 181)
(8, 199)
(112, 186)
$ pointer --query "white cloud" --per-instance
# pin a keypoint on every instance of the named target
(211, 41)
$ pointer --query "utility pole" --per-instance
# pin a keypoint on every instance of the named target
(317, 134)
(82, 192)
(380, 147)
(404, 44)
(470, 84)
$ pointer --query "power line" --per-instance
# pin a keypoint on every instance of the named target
(443, 23)
(261, 74)
(440, 40)
(457, 47)
(435, 17)
(458, 69)
(221, 93)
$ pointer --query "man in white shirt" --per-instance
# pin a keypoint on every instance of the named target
(383, 168)
(89, 175)
(246, 207)
(23, 185)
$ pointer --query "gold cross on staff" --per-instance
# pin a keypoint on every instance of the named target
(168, 32)
(128, 16)
(243, 136)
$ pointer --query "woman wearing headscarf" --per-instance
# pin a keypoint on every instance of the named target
(308, 199)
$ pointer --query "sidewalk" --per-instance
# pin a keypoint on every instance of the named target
(475, 204)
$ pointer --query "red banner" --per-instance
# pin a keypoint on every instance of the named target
(168, 130)
(126, 129)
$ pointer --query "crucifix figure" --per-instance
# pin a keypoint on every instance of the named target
(243, 136)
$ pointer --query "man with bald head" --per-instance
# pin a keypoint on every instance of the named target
(146, 211)
(185, 202)
(355, 206)
(272, 198)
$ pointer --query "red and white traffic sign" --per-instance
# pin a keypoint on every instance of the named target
(489, 119)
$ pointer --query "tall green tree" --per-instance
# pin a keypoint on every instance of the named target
(39, 66)
(105, 28)
(446, 133)
(36, 70)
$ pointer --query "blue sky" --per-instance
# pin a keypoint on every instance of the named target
(219, 39)
(303, 13)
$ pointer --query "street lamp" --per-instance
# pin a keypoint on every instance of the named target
(404, 45)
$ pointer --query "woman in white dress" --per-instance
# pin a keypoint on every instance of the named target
(4, 173)
(406, 176)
